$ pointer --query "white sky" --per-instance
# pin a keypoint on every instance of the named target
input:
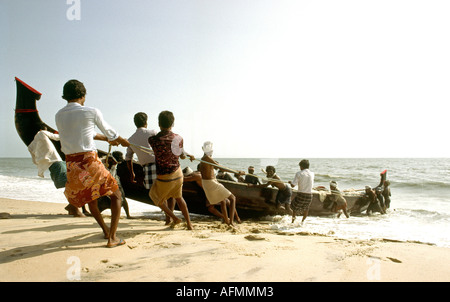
(258, 78)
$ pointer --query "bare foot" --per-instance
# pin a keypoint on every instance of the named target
(74, 211)
(175, 222)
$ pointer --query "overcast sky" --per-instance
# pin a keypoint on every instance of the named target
(258, 78)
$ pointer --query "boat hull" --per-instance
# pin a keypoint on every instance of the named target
(250, 201)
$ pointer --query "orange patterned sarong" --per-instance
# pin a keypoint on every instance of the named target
(87, 179)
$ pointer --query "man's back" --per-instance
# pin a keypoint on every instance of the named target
(167, 147)
(305, 180)
(76, 127)
(207, 170)
(140, 138)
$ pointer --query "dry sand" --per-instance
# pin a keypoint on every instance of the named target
(40, 242)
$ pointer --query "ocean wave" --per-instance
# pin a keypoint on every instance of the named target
(422, 184)
(423, 215)
(30, 188)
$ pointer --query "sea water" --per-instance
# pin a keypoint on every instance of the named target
(420, 201)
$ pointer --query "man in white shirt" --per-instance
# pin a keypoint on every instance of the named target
(145, 158)
(304, 179)
(87, 177)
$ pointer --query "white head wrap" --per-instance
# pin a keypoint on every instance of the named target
(208, 148)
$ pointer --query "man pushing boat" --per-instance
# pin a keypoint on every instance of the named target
(87, 177)
(168, 148)
(215, 192)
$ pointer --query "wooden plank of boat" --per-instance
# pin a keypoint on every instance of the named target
(250, 201)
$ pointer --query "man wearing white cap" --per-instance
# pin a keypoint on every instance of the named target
(215, 192)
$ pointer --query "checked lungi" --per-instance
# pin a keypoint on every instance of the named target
(301, 202)
(87, 179)
(149, 175)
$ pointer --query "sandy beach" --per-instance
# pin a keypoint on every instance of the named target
(40, 242)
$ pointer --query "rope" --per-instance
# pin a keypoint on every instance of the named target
(150, 151)
(143, 149)
(237, 172)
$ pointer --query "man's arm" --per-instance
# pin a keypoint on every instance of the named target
(129, 161)
(295, 182)
(130, 169)
(184, 154)
(118, 141)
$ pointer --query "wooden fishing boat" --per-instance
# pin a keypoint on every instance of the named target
(250, 201)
